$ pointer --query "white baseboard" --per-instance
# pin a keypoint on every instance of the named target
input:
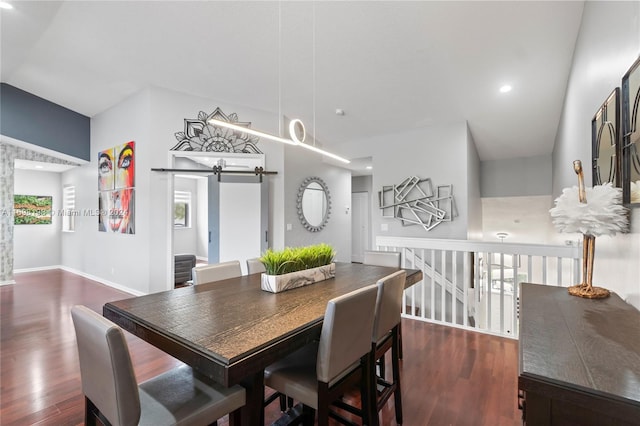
(39, 268)
(102, 281)
(77, 272)
(24, 270)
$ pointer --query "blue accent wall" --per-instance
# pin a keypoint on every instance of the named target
(37, 121)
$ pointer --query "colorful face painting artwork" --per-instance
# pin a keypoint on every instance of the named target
(116, 207)
(105, 170)
(116, 211)
(103, 210)
(124, 169)
(121, 214)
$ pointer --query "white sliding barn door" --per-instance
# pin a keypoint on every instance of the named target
(237, 220)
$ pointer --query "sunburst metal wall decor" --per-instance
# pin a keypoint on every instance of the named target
(200, 135)
(415, 202)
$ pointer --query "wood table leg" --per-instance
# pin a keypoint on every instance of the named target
(252, 413)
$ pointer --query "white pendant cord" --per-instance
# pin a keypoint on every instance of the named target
(280, 68)
(292, 139)
(313, 53)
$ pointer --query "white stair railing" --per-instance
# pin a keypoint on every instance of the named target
(475, 284)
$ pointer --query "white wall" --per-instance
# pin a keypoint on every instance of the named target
(142, 262)
(474, 200)
(120, 259)
(362, 184)
(436, 152)
(301, 164)
(607, 45)
(516, 177)
(37, 246)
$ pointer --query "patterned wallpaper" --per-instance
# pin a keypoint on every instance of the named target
(8, 155)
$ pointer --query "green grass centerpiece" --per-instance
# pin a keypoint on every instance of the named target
(297, 266)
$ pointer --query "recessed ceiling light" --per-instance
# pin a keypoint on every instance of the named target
(5, 5)
(39, 167)
(369, 167)
(506, 88)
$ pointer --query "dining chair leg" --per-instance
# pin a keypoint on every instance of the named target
(369, 390)
(381, 367)
(90, 412)
(323, 404)
(308, 416)
(395, 366)
(235, 418)
(283, 402)
(400, 340)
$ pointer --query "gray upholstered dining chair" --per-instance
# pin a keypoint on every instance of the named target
(385, 258)
(112, 394)
(323, 371)
(254, 266)
(216, 272)
(385, 338)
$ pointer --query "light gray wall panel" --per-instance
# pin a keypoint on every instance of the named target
(516, 177)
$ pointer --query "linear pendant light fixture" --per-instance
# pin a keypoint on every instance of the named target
(297, 132)
(250, 131)
(293, 138)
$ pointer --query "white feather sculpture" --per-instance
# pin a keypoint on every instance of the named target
(602, 214)
(593, 212)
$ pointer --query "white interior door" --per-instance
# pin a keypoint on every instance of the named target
(359, 225)
(238, 219)
(239, 222)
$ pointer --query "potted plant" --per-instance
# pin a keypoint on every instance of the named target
(297, 267)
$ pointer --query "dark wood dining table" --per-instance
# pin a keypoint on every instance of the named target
(230, 330)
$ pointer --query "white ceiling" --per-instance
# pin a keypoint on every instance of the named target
(388, 65)
(42, 166)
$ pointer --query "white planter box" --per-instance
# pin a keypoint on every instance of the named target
(278, 283)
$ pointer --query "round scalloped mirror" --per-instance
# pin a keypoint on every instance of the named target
(314, 204)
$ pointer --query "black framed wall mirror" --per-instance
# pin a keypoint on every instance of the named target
(630, 93)
(314, 204)
(605, 131)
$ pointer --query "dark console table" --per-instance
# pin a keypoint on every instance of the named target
(579, 359)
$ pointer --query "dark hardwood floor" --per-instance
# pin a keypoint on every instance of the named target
(450, 376)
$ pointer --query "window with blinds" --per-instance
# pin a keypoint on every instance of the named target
(182, 209)
(69, 212)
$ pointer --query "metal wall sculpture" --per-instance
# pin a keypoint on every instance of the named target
(200, 135)
(415, 202)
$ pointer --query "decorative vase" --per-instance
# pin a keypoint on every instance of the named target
(279, 283)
